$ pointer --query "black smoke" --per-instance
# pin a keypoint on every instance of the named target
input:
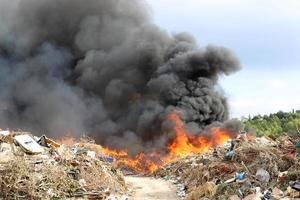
(101, 67)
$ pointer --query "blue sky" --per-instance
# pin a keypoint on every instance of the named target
(264, 34)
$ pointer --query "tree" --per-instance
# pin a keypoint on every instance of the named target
(274, 124)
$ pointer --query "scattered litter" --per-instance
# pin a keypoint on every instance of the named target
(215, 153)
(290, 192)
(41, 168)
(6, 153)
(295, 185)
(207, 190)
(105, 158)
(4, 133)
(230, 180)
(249, 169)
(277, 193)
(91, 154)
(267, 194)
(28, 144)
(240, 176)
(262, 175)
(229, 155)
(47, 142)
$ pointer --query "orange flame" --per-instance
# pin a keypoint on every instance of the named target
(182, 145)
(139, 163)
(67, 139)
(186, 143)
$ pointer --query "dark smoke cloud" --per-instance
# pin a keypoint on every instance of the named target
(103, 68)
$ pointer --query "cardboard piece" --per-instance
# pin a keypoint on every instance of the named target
(28, 144)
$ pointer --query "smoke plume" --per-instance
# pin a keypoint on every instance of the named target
(101, 67)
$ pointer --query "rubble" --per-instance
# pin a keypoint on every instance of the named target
(40, 168)
(257, 169)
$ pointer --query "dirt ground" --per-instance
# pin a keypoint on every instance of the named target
(148, 188)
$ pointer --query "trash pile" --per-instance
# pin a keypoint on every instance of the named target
(40, 168)
(261, 168)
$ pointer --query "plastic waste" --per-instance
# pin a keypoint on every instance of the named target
(229, 155)
(106, 158)
(262, 175)
(240, 176)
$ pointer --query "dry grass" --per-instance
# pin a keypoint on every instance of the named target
(21, 178)
(196, 171)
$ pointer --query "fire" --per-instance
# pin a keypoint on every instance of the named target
(182, 145)
(140, 163)
(67, 139)
(186, 143)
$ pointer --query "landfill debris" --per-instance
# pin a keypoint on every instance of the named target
(290, 192)
(215, 153)
(45, 169)
(240, 176)
(242, 136)
(243, 169)
(47, 142)
(91, 154)
(267, 194)
(298, 149)
(105, 158)
(6, 152)
(262, 175)
(230, 180)
(295, 185)
(6, 136)
(258, 193)
(181, 191)
(229, 155)
(4, 133)
(277, 193)
(28, 144)
(209, 189)
(41, 168)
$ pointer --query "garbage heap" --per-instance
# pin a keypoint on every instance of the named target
(258, 169)
(40, 168)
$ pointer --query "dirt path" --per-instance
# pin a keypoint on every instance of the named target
(147, 188)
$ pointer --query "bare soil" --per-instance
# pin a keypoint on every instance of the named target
(148, 188)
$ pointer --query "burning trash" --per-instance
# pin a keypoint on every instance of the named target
(106, 70)
(182, 145)
(152, 99)
(256, 170)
